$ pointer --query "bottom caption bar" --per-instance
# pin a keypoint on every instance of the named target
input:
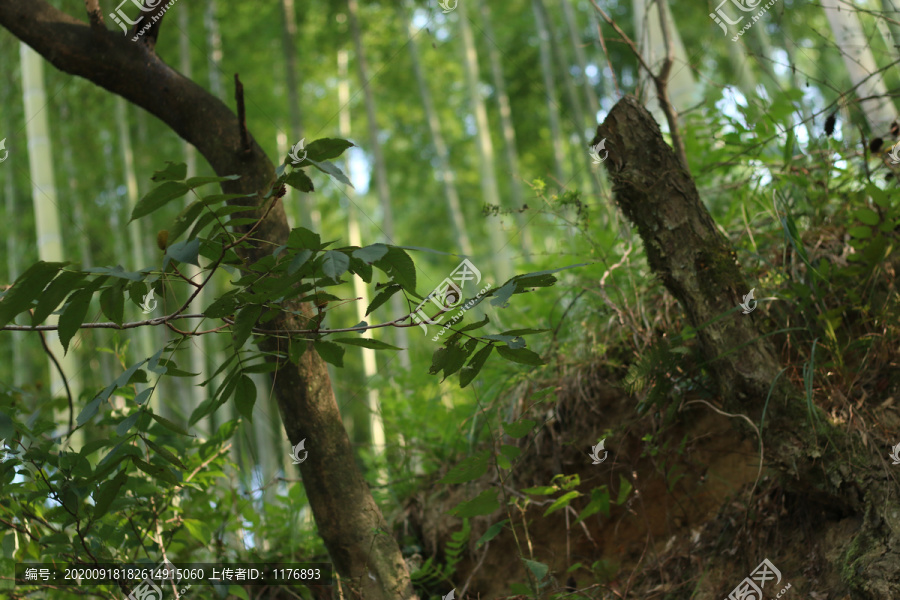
(168, 573)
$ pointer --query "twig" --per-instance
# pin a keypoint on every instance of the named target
(63, 376)
(660, 81)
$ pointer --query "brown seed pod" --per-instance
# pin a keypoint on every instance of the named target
(829, 124)
(162, 239)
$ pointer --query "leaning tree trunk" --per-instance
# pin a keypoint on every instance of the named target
(350, 523)
(697, 265)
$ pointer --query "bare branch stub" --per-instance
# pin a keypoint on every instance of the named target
(95, 15)
(242, 113)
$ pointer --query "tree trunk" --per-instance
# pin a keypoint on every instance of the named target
(652, 42)
(576, 109)
(556, 138)
(877, 108)
(509, 132)
(381, 182)
(440, 148)
(46, 215)
(580, 58)
(309, 214)
(370, 366)
(350, 523)
(489, 191)
(697, 265)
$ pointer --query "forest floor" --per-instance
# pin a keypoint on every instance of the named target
(696, 507)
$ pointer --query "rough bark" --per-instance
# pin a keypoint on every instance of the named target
(349, 521)
(697, 265)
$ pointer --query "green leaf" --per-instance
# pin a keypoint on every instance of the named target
(471, 370)
(327, 148)
(371, 254)
(476, 324)
(186, 251)
(195, 182)
(509, 451)
(174, 172)
(245, 397)
(469, 469)
(456, 358)
(234, 590)
(562, 501)
(72, 318)
(299, 260)
(366, 343)
(199, 530)
(519, 429)
(244, 323)
(867, 216)
(330, 352)
(55, 293)
(624, 490)
(492, 532)
(127, 423)
(155, 471)
(184, 219)
(169, 424)
(300, 237)
(332, 169)
(542, 490)
(90, 409)
(112, 302)
(116, 271)
(158, 197)
(223, 306)
(521, 355)
(501, 296)
(26, 288)
(483, 504)
(860, 231)
(599, 503)
(165, 453)
(108, 491)
(400, 267)
(143, 396)
(298, 179)
(335, 264)
(539, 569)
(382, 297)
